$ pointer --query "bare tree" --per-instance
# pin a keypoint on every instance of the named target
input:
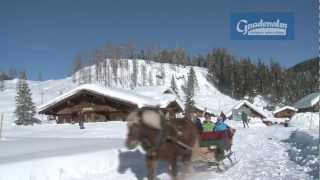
(134, 76)
(76, 75)
(150, 78)
(144, 75)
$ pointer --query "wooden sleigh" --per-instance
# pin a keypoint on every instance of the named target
(215, 147)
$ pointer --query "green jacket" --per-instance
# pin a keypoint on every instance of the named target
(208, 126)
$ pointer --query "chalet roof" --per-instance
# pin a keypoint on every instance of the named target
(308, 101)
(157, 93)
(206, 109)
(152, 90)
(120, 94)
(251, 106)
(285, 108)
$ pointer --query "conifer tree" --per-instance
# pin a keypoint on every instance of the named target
(25, 108)
(190, 92)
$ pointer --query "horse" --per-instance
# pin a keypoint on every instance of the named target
(162, 139)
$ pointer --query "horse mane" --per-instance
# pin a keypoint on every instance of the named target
(152, 118)
(149, 117)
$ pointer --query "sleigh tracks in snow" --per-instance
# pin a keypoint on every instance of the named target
(209, 163)
(228, 161)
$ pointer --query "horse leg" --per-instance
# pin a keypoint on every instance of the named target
(174, 169)
(151, 165)
(187, 164)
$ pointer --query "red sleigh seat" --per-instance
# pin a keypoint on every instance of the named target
(213, 135)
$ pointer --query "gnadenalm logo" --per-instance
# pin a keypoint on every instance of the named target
(262, 28)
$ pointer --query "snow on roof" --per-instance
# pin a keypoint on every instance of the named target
(284, 108)
(151, 90)
(250, 105)
(215, 104)
(157, 92)
(308, 101)
(120, 94)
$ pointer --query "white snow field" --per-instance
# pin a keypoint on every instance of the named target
(64, 152)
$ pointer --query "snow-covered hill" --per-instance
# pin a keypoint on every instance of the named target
(148, 74)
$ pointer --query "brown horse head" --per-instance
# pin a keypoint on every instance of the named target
(137, 120)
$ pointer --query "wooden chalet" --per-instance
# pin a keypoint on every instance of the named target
(309, 103)
(93, 103)
(285, 112)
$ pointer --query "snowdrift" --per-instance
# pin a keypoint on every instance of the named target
(306, 120)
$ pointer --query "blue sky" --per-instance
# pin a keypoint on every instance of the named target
(44, 36)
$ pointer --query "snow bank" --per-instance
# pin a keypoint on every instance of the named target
(306, 120)
(61, 167)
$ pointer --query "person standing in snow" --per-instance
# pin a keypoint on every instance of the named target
(81, 121)
(244, 118)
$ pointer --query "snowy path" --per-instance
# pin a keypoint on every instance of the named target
(63, 152)
(262, 156)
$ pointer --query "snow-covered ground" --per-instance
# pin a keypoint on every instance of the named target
(305, 121)
(64, 152)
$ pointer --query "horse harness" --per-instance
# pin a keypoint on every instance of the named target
(162, 136)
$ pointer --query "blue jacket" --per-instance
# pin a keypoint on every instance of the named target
(220, 126)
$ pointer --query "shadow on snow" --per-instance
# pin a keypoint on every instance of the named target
(305, 151)
(135, 161)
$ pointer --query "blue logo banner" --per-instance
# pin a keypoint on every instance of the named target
(262, 26)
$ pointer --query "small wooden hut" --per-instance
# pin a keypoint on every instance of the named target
(93, 103)
(285, 112)
(309, 103)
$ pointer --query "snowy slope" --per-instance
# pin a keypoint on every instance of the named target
(206, 95)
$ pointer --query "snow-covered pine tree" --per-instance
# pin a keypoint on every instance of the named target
(25, 108)
(190, 92)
